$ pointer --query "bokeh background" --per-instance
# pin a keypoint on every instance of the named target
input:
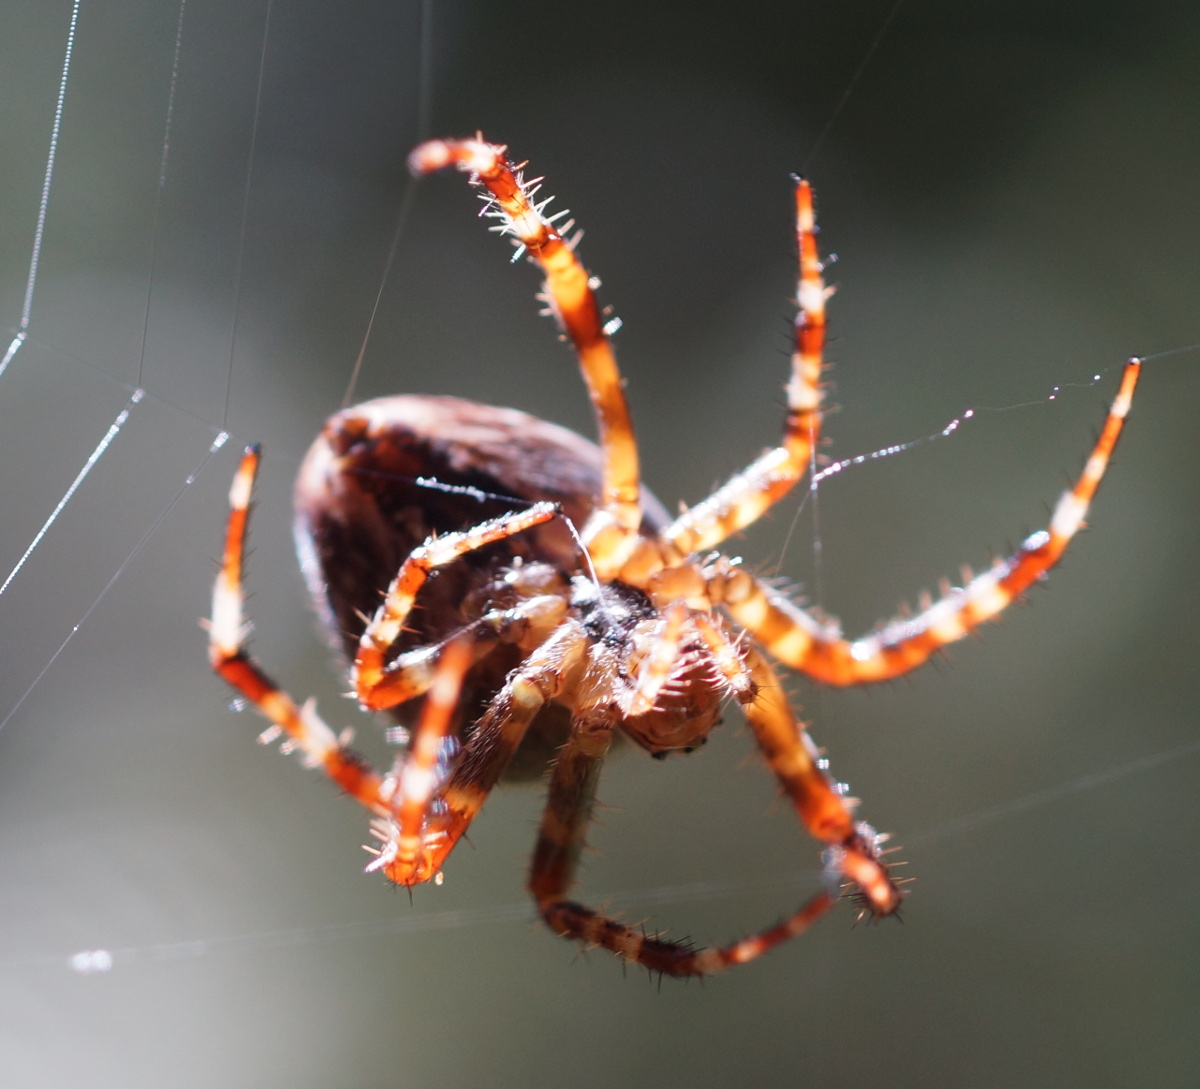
(1011, 188)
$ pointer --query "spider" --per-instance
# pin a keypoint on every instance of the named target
(503, 633)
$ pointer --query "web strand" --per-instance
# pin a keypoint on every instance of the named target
(158, 195)
(424, 122)
(240, 266)
(216, 445)
(138, 393)
(44, 204)
(101, 960)
(880, 34)
(112, 432)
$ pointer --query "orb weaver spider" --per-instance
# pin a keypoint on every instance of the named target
(503, 633)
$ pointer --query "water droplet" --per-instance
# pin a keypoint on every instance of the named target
(397, 735)
(90, 961)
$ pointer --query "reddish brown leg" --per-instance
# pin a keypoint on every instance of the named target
(411, 787)
(614, 526)
(417, 821)
(379, 685)
(772, 476)
(317, 745)
(527, 623)
(556, 858)
(487, 752)
(817, 648)
(827, 815)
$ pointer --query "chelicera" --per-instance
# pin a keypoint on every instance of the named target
(437, 537)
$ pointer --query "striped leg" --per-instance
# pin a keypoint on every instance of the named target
(418, 774)
(420, 811)
(817, 648)
(307, 734)
(655, 669)
(484, 756)
(569, 292)
(527, 623)
(771, 476)
(828, 816)
(379, 685)
(556, 858)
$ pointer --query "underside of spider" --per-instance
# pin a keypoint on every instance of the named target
(506, 640)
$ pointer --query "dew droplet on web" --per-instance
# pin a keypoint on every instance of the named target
(91, 961)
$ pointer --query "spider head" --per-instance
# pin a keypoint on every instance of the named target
(687, 708)
(629, 634)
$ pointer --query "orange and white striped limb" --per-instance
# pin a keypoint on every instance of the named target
(577, 922)
(561, 839)
(415, 781)
(486, 753)
(825, 812)
(415, 830)
(411, 673)
(817, 648)
(569, 292)
(307, 734)
(378, 685)
(654, 670)
(727, 658)
(749, 494)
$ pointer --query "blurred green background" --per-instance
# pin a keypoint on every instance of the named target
(1011, 189)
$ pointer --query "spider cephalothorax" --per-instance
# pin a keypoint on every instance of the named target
(506, 638)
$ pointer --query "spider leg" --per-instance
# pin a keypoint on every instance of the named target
(569, 293)
(317, 744)
(826, 813)
(816, 647)
(420, 813)
(556, 859)
(380, 686)
(771, 476)
(415, 778)
(655, 669)
(484, 755)
(410, 674)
